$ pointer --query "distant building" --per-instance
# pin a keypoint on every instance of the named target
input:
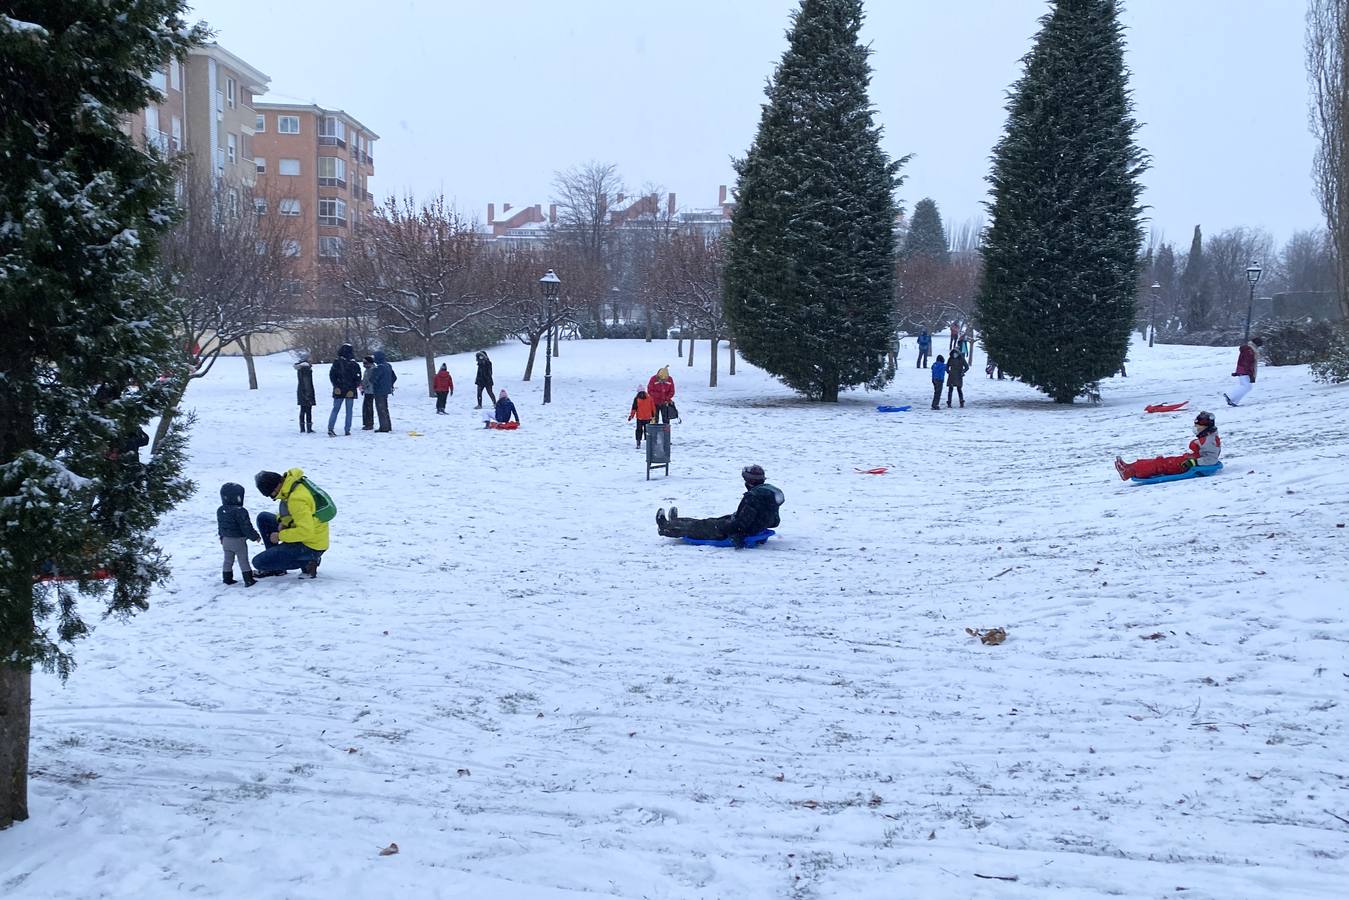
(523, 225)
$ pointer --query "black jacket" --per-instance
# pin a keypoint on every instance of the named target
(484, 378)
(304, 389)
(345, 374)
(956, 367)
(758, 510)
(231, 518)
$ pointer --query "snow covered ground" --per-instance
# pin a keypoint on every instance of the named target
(504, 670)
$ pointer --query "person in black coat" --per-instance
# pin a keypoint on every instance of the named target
(304, 392)
(758, 510)
(345, 376)
(484, 377)
(956, 367)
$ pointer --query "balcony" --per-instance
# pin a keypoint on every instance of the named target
(369, 197)
(332, 182)
(159, 140)
(333, 221)
(331, 140)
(369, 160)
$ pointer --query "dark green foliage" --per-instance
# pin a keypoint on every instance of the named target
(809, 277)
(1061, 256)
(85, 327)
(926, 237)
(1196, 285)
(1299, 343)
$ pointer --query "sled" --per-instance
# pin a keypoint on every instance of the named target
(1165, 407)
(1192, 472)
(504, 426)
(879, 470)
(752, 540)
(893, 408)
(414, 434)
(96, 575)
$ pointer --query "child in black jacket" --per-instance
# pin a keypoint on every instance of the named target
(236, 530)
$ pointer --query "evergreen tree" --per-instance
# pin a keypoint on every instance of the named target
(1194, 285)
(809, 280)
(85, 332)
(1060, 260)
(926, 237)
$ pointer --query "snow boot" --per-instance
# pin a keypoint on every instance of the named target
(1125, 470)
(1229, 400)
(674, 512)
(249, 580)
(227, 577)
(332, 433)
(660, 518)
(310, 569)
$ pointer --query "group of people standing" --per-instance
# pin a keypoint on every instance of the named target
(374, 383)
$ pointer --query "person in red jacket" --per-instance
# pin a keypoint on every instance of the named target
(1204, 451)
(661, 388)
(643, 410)
(443, 385)
(1247, 361)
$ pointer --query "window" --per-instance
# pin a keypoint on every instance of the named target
(332, 171)
(219, 161)
(331, 246)
(177, 133)
(289, 207)
(292, 287)
(332, 132)
(232, 148)
(288, 167)
(260, 248)
(157, 80)
(232, 204)
(220, 102)
(261, 163)
(290, 248)
(288, 124)
(332, 211)
(229, 92)
(260, 124)
(260, 205)
(176, 74)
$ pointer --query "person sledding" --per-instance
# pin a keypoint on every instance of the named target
(757, 512)
(1204, 450)
(661, 389)
(293, 536)
(501, 416)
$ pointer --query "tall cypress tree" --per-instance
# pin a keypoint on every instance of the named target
(1056, 304)
(809, 280)
(1194, 285)
(85, 332)
(926, 237)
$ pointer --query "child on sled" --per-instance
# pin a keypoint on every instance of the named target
(1204, 451)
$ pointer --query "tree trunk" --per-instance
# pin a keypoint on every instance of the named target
(647, 307)
(166, 419)
(692, 342)
(557, 329)
(679, 347)
(429, 352)
(246, 345)
(712, 362)
(730, 349)
(16, 701)
(533, 349)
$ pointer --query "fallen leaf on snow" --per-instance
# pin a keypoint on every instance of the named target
(1155, 636)
(992, 636)
(389, 850)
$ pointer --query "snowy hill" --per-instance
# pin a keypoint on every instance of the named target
(506, 671)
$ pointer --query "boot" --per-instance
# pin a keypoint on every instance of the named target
(332, 433)
(227, 577)
(1125, 470)
(674, 512)
(311, 568)
(249, 580)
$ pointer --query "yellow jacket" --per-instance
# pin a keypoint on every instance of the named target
(298, 525)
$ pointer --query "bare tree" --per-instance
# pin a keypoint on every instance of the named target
(1328, 70)
(412, 267)
(584, 195)
(1228, 253)
(227, 262)
(1307, 262)
(689, 273)
(513, 279)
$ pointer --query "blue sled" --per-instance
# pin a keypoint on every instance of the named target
(752, 540)
(893, 408)
(1194, 472)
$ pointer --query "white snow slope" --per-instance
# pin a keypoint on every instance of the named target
(503, 669)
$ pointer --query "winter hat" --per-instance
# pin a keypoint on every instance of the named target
(753, 474)
(232, 494)
(444, 367)
(304, 356)
(268, 483)
(502, 393)
(379, 357)
(369, 360)
(346, 352)
(663, 373)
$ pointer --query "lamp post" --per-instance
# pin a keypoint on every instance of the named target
(550, 284)
(1152, 329)
(1253, 273)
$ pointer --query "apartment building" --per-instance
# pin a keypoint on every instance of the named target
(220, 116)
(313, 165)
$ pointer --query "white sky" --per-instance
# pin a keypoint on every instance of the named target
(486, 100)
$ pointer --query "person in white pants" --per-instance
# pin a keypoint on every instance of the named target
(1247, 362)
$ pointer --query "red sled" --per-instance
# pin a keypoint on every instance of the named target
(1165, 407)
(97, 574)
(879, 470)
(504, 426)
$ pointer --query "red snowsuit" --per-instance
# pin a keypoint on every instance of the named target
(1204, 450)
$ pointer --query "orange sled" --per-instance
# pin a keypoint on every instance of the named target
(504, 426)
(1165, 407)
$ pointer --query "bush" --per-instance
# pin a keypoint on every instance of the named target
(1297, 343)
(1334, 369)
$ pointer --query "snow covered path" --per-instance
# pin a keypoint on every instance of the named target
(503, 669)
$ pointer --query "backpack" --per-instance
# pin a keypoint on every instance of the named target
(325, 510)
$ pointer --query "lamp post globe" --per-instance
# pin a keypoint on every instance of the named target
(1253, 273)
(550, 284)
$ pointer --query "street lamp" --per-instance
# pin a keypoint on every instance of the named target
(1253, 273)
(550, 284)
(1152, 329)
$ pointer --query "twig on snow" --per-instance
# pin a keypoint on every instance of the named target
(996, 877)
(999, 575)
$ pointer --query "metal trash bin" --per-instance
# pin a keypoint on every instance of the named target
(657, 448)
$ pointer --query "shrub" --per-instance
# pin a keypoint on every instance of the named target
(1297, 343)
(1334, 368)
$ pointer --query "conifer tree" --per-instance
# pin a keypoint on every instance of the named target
(809, 279)
(1194, 285)
(85, 332)
(926, 237)
(1056, 304)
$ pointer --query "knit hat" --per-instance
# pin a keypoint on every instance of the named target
(502, 393)
(369, 360)
(753, 474)
(663, 373)
(268, 483)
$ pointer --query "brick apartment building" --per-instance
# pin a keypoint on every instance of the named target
(313, 165)
(523, 225)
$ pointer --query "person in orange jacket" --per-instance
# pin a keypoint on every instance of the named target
(643, 410)
(443, 385)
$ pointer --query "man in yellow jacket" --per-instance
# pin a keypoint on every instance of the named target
(294, 539)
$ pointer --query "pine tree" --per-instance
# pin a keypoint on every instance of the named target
(85, 332)
(809, 277)
(1194, 285)
(1060, 260)
(926, 237)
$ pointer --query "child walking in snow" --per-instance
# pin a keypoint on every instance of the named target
(644, 410)
(938, 379)
(1204, 451)
(235, 529)
(443, 385)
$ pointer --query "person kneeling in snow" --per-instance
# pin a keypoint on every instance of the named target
(758, 510)
(295, 539)
(1204, 451)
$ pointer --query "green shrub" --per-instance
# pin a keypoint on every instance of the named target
(1334, 369)
(1297, 343)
